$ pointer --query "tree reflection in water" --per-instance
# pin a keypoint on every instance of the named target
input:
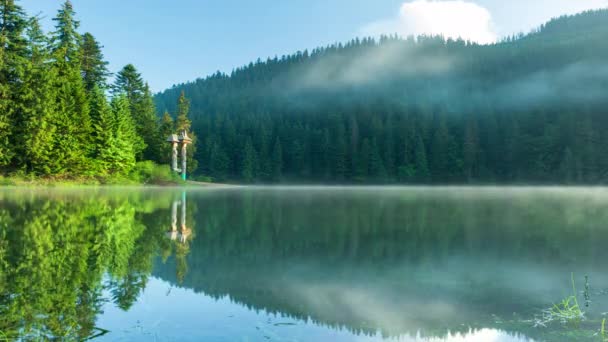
(394, 262)
(60, 250)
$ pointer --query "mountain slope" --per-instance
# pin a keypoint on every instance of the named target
(529, 109)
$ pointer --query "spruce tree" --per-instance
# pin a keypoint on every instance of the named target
(420, 161)
(141, 106)
(277, 161)
(377, 171)
(183, 123)
(71, 118)
(125, 136)
(13, 64)
(92, 64)
(36, 127)
(218, 161)
(104, 127)
(163, 148)
(470, 151)
(183, 107)
(249, 161)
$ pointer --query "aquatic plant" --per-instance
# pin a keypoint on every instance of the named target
(566, 311)
(603, 333)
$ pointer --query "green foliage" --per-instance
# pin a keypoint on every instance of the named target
(55, 120)
(183, 107)
(141, 105)
(93, 66)
(13, 62)
(148, 172)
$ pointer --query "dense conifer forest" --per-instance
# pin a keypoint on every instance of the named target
(59, 115)
(529, 109)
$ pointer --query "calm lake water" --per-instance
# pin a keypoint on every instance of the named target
(302, 264)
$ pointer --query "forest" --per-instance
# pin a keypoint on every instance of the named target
(529, 109)
(61, 117)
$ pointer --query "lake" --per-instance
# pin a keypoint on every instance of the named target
(304, 264)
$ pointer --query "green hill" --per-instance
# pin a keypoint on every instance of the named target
(427, 110)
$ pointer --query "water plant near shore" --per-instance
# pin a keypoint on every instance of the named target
(567, 311)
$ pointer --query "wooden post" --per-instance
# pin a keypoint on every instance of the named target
(184, 159)
(185, 140)
(173, 140)
(174, 157)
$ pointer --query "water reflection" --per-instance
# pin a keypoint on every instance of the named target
(340, 264)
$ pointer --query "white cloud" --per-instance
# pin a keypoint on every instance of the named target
(452, 19)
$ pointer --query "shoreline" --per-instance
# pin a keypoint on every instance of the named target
(18, 182)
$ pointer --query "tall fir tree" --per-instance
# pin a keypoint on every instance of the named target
(165, 129)
(183, 123)
(38, 94)
(93, 66)
(71, 118)
(249, 162)
(141, 106)
(183, 108)
(13, 65)
(277, 161)
(104, 126)
(125, 136)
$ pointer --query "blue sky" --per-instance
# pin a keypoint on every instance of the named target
(173, 41)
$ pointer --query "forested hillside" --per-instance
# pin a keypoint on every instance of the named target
(532, 108)
(59, 115)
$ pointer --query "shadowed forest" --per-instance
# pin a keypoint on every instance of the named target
(530, 109)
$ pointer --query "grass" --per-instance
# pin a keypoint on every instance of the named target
(568, 311)
(144, 173)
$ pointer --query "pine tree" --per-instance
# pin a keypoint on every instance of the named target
(277, 161)
(420, 161)
(165, 129)
(218, 161)
(66, 40)
(35, 126)
(568, 167)
(125, 136)
(147, 125)
(93, 67)
(141, 107)
(363, 159)
(339, 154)
(249, 162)
(104, 126)
(13, 49)
(377, 170)
(71, 118)
(182, 123)
(470, 151)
